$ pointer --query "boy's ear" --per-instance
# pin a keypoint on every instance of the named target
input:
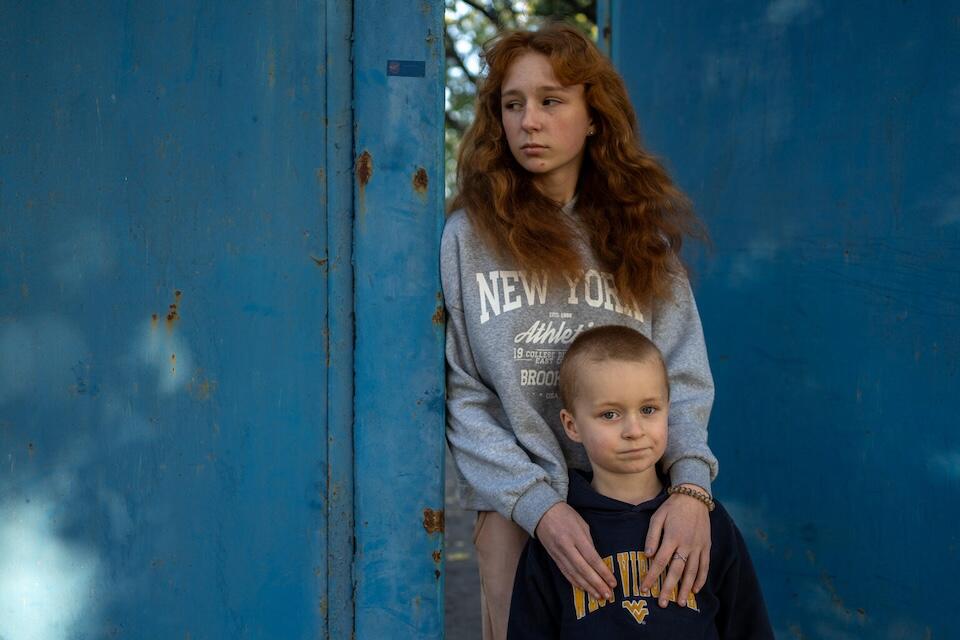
(570, 425)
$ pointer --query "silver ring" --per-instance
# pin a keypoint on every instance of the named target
(678, 556)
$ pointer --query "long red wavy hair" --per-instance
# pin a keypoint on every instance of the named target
(634, 216)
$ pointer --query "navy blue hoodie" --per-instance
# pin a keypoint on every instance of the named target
(544, 604)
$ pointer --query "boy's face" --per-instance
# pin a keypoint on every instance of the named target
(620, 415)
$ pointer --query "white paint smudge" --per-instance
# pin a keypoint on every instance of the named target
(752, 261)
(46, 582)
(785, 12)
(946, 463)
(165, 352)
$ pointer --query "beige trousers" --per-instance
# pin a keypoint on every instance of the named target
(499, 543)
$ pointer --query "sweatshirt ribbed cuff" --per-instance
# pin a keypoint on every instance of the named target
(691, 471)
(533, 504)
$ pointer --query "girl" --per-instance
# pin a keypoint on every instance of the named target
(563, 222)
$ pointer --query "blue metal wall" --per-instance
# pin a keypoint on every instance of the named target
(821, 143)
(182, 286)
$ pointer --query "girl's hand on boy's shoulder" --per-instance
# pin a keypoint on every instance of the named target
(684, 524)
(566, 537)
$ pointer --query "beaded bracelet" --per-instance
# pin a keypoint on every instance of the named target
(693, 493)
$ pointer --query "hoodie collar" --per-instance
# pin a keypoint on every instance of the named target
(581, 495)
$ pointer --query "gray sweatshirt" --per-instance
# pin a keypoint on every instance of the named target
(507, 331)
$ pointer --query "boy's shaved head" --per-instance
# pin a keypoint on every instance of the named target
(609, 342)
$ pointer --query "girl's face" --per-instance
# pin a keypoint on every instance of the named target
(546, 124)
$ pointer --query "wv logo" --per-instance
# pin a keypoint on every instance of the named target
(637, 608)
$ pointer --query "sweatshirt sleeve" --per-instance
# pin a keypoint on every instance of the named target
(742, 614)
(484, 448)
(677, 332)
(536, 609)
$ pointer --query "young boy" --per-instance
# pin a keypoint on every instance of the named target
(614, 387)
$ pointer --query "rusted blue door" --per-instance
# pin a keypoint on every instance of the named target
(821, 143)
(218, 348)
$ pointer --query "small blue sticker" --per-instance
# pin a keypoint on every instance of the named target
(409, 68)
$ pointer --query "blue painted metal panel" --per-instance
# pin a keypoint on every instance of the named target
(399, 435)
(821, 142)
(162, 355)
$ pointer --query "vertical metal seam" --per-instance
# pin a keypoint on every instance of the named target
(605, 27)
(608, 17)
(438, 193)
(385, 523)
(338, 63)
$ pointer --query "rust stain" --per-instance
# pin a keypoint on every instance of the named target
(153, 321)
(202, 389)
(440, 315)
(437, 555)
(321, 262)
(364, 173)
(173, 364)
(433, 520)
(321, 175)
(205, 389)
(420, 180)
(827, 581)
(436, 574)
(173, 313)
(364, 168)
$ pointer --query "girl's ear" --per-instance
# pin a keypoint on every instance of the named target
(570, 425)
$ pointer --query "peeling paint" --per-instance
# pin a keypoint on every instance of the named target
(433, 520)
(364, 173)
(437, 555)
(364, 168)
(420, 181)
(440, 314)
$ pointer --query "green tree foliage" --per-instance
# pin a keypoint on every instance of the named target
(469, 24)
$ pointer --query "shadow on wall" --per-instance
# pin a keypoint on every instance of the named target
(68, 416)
